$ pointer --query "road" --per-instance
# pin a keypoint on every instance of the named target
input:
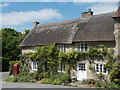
(31, 85)
(27, 85)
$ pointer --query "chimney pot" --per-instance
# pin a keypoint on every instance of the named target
(35, 23)
(87, 14)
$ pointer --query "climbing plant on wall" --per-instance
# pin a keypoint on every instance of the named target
(25, 65)
(47, 57)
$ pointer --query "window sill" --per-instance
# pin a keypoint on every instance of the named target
(62, 71)
(34, 69)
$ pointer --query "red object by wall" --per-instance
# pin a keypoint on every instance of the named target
(16, 69)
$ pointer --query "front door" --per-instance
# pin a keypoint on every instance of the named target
(81, 71)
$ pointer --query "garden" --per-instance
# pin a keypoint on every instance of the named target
(49, 58)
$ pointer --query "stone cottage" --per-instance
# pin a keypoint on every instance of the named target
(77, 34)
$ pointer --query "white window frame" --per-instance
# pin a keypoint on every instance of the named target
(62, 47)
(34, 67)
(100, 69)
(61, 68)
(80, 46)
(82, 66)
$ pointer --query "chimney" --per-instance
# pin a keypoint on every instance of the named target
(116, 18)
(35, 24)
(87, 14)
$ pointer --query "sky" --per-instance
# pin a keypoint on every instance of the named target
(20, 15)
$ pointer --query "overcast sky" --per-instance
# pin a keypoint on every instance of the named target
(20, 15)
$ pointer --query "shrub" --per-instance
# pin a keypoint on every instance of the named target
(11, 79)
(35, 75)
(46, 81)
(110, 85)
(32, 81)
(57, 82)
(46, 75)
(23, 74)
(30, 74)
(65, 78)
(25, 77)
(98, 83)
(115, 74)
(59, 73)
(85, 81)
(40, 76)
(92, 81)
(53, 77)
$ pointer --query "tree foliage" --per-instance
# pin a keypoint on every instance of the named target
(25, 33)
(10, 46)
(11, 40)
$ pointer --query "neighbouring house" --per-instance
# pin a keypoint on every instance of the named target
(78, 34)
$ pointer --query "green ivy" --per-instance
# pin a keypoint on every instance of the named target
(25, 65)
(49, 58)
(115, 74)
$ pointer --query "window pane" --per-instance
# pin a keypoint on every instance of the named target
(82, 47)
(86, 47)
(34, 65)
(82, 67)
(100, 67)
(62, 48)
(104, 70)
(62, 67)
(97, 67)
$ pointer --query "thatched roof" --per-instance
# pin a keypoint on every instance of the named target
(97, 28)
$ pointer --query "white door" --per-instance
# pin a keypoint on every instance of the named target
(81, 71)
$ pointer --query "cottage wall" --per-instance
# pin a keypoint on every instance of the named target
(27, 50)
(90, 73)
(70, 47)
(117, 36)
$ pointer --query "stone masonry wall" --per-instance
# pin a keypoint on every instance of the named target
(117, 36)
(70, 47)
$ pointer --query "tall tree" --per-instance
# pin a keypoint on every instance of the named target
(10, 46)
(25, 33)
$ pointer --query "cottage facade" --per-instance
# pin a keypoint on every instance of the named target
(78, 34)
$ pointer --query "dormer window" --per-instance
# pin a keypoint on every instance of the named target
(62, 48)
(81, 47)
